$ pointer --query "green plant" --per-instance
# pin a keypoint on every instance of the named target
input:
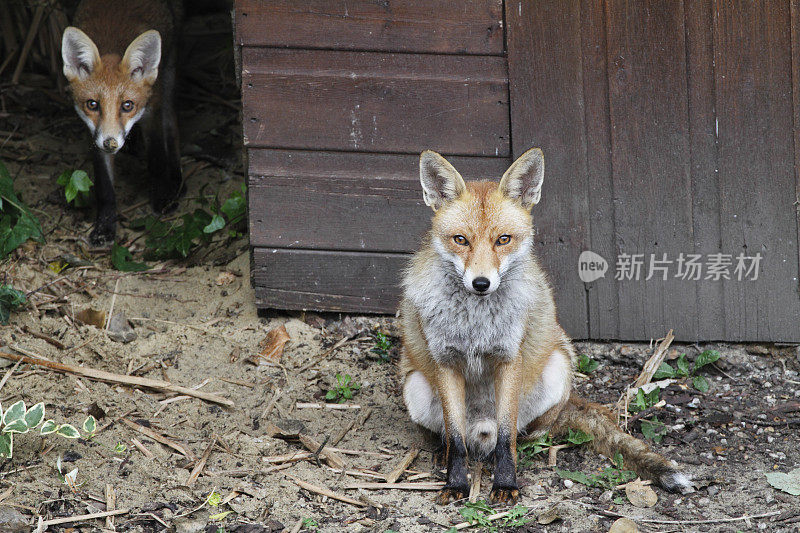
(653, 429)
(17, 223)
(526, 451)
(122, 259)
(76, 185)
(609, 478)
(121, 447)
(382, 346)
(682, 369)
(10, 300)
(644, 400)
(344, 389)
(480, 514)
(587, 365)
(18, 419)
(310, 523)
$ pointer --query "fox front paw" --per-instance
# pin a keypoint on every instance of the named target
(504, 495)
(103, 234)
(450, 494)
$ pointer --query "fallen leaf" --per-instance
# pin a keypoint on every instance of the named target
(640, 494)
(787, 482)
(120, 330)
(225, 278)
(549, 516)
(272, 345)
(624, 525)
(91, 317)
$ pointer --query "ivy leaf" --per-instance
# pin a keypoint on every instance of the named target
(217, 223)
(48, 427)
(74, 182)
(68, 431)
(10, 299)
(683, 365)
(90, 425)
(6, 445)
(34, 415)
(17, 426)
(576, 436)
(122, 259)
(705, 358)
(701, 383)
(664, 371)
(15, 412)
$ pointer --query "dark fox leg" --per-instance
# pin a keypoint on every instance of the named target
(450, 386)
(506, 393)
(597, 421)
(105, 226)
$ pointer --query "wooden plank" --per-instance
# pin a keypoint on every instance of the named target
(327, 281)
(649, 129)
(795, 23)
(546, 90)
(374, 102)
(603, 296)
(758, 186)
(433, 26)
(344, 201)
(710, 317)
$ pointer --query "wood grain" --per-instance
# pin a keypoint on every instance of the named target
(547, 111)
(434, 26)
(374, 102)
(344, 201)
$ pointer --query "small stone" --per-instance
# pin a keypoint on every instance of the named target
(606, 496)
(702, 502)
(13, 521)
(120, 330)
(713, 490)
(568, 483)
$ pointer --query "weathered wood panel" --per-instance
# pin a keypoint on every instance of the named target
(344, 201)
(544, 65)
(373, 102)
(752, 42)
(331, 281)
(602, 294)
(649, 135)
(707, 237)
(433, 26)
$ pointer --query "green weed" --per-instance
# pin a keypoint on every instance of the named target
(10, 300)
(17, 223)
(479, 513)
(587, 365)
(683, 370)
(382, 346)
(344, 389)
(609, 478)
(76, 185)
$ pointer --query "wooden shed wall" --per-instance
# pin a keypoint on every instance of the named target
(668, 127)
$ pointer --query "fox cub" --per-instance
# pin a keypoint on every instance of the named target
(484, 358)
(111, 60)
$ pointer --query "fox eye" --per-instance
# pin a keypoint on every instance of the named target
(503, 239)
(127, 106)
(92, 105)
(460, 239)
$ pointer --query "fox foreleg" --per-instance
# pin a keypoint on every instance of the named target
(451, 388)
(507, 382)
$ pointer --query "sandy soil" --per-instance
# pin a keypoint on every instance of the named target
(197, 326)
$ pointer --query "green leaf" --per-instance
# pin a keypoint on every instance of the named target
(787, 482)
(705, 358)
(10, 300)
(15, 412)
(6, 445)
(578, 477)
(17, 426)
(683, 365)
(74, 182)
(653, 429)
(90, 425)
(330, 395)
(121, 258)
(217, 223)
(34, 415)
(587, 365)
(68, 431)
(664, 371)
(701, 383)
(220, 516)
(48, 427)
(214, 499)
(576, 436)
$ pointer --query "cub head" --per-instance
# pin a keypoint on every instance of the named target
(110, 93)
(483, 228)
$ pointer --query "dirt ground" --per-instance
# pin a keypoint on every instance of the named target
(196, 326)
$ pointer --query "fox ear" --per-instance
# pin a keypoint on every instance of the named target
(79, 53)
(523, 179)
(143, 55)
(441, 182)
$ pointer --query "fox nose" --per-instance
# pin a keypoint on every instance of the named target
(110, 144)
(481, 284)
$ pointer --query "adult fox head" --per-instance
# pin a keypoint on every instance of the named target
(483, 228)
(110, 93)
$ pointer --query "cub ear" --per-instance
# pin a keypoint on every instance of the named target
(79, 53)
(523, 179)
(142, 57)
(441, 182)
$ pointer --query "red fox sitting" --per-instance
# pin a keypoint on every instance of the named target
(484, 358)
(111, 60)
